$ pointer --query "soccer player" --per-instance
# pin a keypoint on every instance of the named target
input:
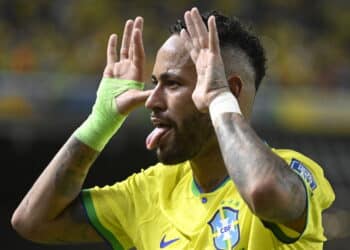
(217, 185)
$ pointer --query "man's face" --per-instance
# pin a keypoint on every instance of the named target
(181, 130)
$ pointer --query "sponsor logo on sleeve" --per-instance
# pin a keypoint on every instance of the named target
(305, 173)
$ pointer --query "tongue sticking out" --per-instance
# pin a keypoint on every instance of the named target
(153, 138)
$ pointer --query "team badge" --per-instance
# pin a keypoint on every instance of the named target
(225, 228)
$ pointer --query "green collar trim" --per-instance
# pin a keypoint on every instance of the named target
(196, 190)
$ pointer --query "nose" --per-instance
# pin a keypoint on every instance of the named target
(156, 100)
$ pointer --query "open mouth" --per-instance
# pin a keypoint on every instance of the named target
(160, 130)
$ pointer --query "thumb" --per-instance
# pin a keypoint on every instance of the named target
(141, 96)
(131, 99)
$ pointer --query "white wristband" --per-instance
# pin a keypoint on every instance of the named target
(223, 103)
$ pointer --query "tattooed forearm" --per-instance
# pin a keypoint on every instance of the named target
(72, 166)
(268, 186)
(63, 178)
(54, 195)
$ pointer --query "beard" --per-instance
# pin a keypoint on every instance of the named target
(186, 140)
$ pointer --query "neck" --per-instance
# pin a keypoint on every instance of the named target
(208, 167)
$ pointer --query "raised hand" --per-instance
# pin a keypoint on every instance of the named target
(130, 65)
(132, 54)
(204, 48)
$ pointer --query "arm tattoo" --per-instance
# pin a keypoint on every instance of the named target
(77, 217)
(252, 164)
(51, 212)
(74, 162)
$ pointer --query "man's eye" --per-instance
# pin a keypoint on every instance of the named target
(154, 81)
(173, 84)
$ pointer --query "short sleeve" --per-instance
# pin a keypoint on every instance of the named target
(102, 209)
(320, 196)
(114, 211)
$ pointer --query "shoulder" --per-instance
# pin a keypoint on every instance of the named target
(310, 172)
(161, 175)
(149, 179)
(299, 162)
(289, 154)
(320, 194)
(156, 176)
(163, 170)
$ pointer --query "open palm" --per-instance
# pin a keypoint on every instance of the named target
(130, 65)
(204, 48)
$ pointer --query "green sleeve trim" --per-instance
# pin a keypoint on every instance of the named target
(279, 233)
(95, 222)
(277, 230)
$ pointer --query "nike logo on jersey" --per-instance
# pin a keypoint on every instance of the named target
(164, 243)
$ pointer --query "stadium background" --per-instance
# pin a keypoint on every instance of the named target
(52, 54)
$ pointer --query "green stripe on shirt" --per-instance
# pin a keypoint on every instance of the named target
(92, 215)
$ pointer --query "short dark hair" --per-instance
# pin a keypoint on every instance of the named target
(234, 34)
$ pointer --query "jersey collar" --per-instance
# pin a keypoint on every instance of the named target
(196, 189)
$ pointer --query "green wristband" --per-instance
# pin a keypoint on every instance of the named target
(104, 119)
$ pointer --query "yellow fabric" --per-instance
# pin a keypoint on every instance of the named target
(162, 205)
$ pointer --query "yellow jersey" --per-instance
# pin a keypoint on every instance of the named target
(163, 208)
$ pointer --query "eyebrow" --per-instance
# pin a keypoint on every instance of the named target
(165, 76)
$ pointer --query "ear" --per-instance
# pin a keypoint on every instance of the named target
(235, 83)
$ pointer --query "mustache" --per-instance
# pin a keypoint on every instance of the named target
(160, 118)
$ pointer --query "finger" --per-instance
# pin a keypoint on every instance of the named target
(131, 51)
(131, 99)
(188, 45)
(124, 49)
(200, 27)
(142, 96)
(112, 49)
(117, 68)
(214, 42)
(139, 52)
(138, 25)
(186, 38)
(191, 29)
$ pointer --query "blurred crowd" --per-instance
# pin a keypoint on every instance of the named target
(307, 41)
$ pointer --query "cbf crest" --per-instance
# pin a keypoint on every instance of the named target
(225, 228)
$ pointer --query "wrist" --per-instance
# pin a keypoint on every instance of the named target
(105, 120)
(96, 130)
(225, 102)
